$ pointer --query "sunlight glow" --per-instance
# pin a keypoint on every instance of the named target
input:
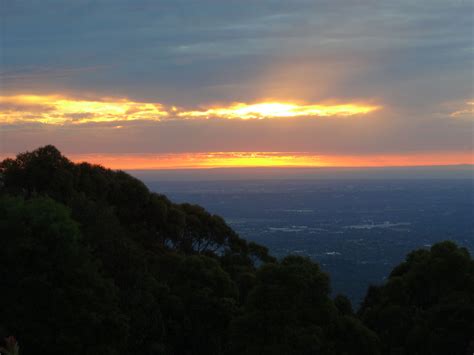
(267, 160)
(279, 109)
(59, 110)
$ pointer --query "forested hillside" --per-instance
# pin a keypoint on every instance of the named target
(92, 262)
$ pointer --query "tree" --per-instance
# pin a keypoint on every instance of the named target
(427, 304)
(54, 299)
(198, 305)
(148, 218)
(130, 232)
(44, 170)
(289, 312)
(92, 262)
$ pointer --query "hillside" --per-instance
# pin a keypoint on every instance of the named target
(92, 262)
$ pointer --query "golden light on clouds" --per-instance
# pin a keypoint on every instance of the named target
(278, 109)
(268, 159)
(55, 109)
(466, 112)
(60, 110)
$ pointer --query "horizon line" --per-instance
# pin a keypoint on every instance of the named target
(460, 165)
(267, 160)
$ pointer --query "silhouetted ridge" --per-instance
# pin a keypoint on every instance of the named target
(92, 262)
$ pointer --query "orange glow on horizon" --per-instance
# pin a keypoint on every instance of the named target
(60, 110)
(266, 159)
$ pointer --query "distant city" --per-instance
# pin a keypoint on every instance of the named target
(357, 229)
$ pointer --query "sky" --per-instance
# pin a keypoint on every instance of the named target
(153, 84)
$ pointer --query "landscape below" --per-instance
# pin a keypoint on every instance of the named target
(92, 262)
(357, 224)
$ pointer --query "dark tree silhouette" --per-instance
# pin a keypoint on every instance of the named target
(427, 304)
(92, 262)
(289, 312)
(53, 297)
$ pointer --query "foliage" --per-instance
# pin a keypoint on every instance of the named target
(427, 304)
(92, 262)
(146, 246)
(289, 312)
(53, 295)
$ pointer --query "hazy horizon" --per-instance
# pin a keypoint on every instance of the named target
(412, 172)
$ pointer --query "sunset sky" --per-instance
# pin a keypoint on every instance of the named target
(145, 84)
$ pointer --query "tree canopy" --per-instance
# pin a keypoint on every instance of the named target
(92, 262)
(427, 304)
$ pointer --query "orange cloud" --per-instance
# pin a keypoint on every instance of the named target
(60, 110)
(55, 109)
